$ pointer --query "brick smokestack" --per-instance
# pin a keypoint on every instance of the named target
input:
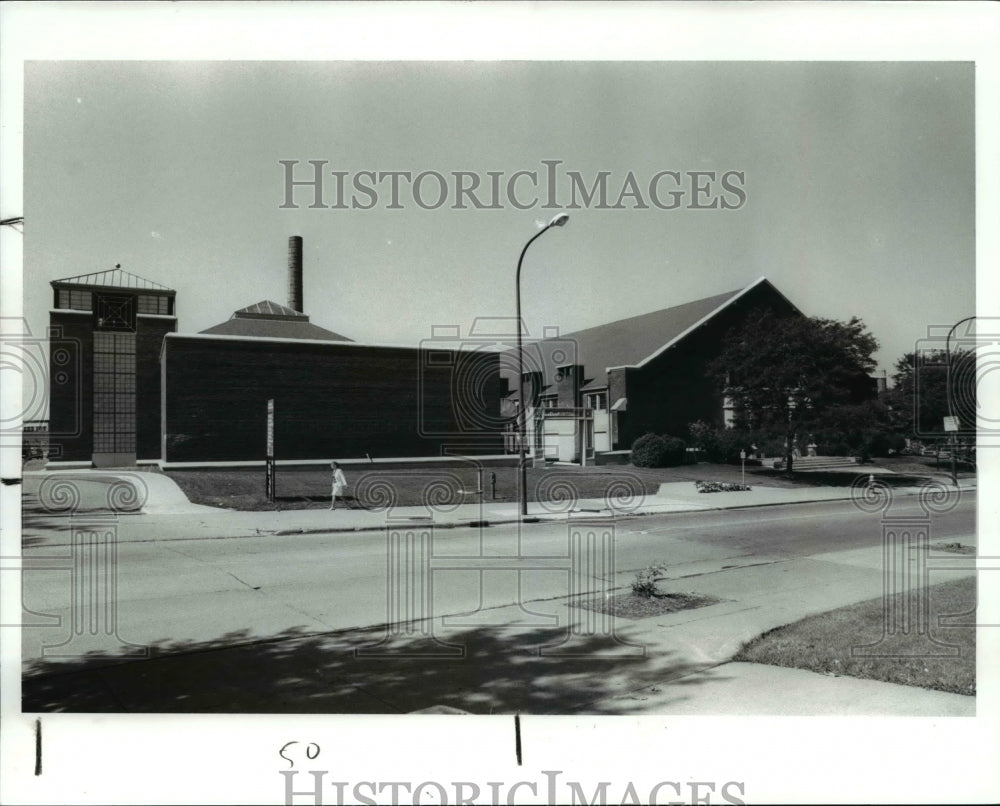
(295, 272)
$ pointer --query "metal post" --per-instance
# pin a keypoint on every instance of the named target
(948, 393)
(269, 467)
(558, 221)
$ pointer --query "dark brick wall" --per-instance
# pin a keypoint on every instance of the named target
(71, 374)
(533, 388)
(568, 381)
(148, 340)
(330, 400)
(71, 382)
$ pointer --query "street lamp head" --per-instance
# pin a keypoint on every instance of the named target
(560, 220)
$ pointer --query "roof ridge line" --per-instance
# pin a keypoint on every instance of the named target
(734, 295)
(660, 310)
(117, 269)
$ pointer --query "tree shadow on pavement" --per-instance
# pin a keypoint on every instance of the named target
(41, 531)
(498, 669)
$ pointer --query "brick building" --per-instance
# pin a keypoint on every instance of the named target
(106, 329)
(127, 387)
(597, 390)
(333, 397)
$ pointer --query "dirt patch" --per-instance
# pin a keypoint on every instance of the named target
(630, 605)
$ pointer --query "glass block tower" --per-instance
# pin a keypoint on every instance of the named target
(106, 330)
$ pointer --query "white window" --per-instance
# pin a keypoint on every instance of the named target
(728, 411)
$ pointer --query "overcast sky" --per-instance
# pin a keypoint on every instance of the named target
(857, 188)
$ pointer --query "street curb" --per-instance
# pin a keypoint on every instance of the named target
(561, 518)
(481, 523)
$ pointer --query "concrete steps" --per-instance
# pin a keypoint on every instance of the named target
(807, 463)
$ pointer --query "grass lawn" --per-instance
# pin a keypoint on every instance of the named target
(926, 465)
(299, 488)
(823, 643)
(310, 488)
(302, 488)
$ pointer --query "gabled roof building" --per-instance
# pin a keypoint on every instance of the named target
(597, 390)
(126, 386)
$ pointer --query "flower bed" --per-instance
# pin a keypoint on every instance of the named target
(721, 487)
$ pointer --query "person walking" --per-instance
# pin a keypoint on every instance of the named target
(339, 485)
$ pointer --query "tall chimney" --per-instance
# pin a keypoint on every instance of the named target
(295, 272)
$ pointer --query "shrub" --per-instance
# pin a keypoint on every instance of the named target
(882, 443)
(730, 444)
(648, 451)
(674, 451)
(644, 583)
(770, 445)
(703, 437)
(832, 446)
(719, 444)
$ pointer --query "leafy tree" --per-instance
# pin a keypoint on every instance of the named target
(787, 374)
(919, 397)
(865, 429)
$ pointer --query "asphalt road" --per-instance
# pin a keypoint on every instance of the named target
(178, 594)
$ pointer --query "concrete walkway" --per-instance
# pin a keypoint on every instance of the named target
(547, 657)
(159, 498)
(125, 492)
(552, 658)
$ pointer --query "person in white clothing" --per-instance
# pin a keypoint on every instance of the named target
(339, 485)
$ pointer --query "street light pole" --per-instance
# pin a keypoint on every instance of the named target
(522, 411)
(948, 391)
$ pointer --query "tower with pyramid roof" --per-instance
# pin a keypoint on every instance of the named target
(106, 331)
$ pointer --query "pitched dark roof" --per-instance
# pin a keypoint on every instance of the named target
(112, 278)
(628, 342)
(269, 320)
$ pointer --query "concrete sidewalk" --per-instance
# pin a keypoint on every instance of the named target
(151, 514)
(545, 657)
(125, 492)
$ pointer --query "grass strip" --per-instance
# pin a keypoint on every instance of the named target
(940, 657)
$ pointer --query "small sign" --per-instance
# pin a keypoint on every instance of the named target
(270, 429)
(743, 454)
(951, 423)
(269, 459)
